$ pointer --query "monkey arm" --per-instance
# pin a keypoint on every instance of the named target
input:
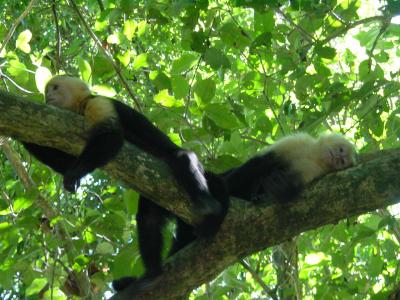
(104, 142)
(56, 159)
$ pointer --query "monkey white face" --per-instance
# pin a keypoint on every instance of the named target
(66, 92)
(336, 152)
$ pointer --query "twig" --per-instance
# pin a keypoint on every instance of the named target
(58, 36)
(14, 83)
(395, 229)
(350, 26)
(304, 33)
(384, 27)
(106, 53)
(16, 23)
(270, 292)
(61, 231)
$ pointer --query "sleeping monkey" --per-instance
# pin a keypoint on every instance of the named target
(113, 122)
(278, 173)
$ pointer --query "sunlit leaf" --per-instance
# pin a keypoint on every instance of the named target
(42, 76)
(180, 86)
(184, 63)
(104, 90)
(140, 61)
(165, 99)
(204, 90)
(85, 69)
(129, 29)
(36, 286)
(23, 40)
(221, 115)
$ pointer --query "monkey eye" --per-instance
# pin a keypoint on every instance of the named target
(55, 87)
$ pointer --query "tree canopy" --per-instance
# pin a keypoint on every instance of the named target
(224, 78)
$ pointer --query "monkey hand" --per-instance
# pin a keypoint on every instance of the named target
(71, 181)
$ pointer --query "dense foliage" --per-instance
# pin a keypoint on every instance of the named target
(223, 78)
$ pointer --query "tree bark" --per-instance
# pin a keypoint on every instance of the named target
(248, 228)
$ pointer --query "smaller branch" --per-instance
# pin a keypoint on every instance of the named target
(83, 281)
(384, 27)
(2, 75)
(272, 107)
(349, 26)
(304, 33)
(58, 36)
(18, 167)
(101, 5)
(270, 292)
(16, 23)
(107, 54)
(395, 228)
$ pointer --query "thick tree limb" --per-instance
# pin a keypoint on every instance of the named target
(28, 121)
(248, 228)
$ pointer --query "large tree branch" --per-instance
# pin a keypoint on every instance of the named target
(49, 126)
(248, 228)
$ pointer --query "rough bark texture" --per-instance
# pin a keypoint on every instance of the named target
(28, 121)
(248, 228)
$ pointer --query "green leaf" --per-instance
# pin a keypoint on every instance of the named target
(199, 41)
(165, 99)
(85, 69)
(233, 36)
(17, 69)
(184, 63)
(204, 90)
(216, 59)
(325, 52)
(102, 66)
(180, 86)
(375, 265)
(105, 248)
(221, 115)
(23, 40)
(364, 71)
(264, 22)
(367, 105)
(124, 58)
(160, 80)
(140, 61)
(393, 126)
(129, 29)
(128, 6)
(22, 203)
(5, 226)
(89, 236)
(125, 262)
(366, 38)
(258, 5)
(393, 6)
(322, 69)
(264, 39)
(36, 286)
(131, 199)
(54, 294)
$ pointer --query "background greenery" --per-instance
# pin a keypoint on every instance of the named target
(224, 78)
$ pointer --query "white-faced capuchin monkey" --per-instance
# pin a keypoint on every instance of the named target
(279, 173)
(113, 122)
